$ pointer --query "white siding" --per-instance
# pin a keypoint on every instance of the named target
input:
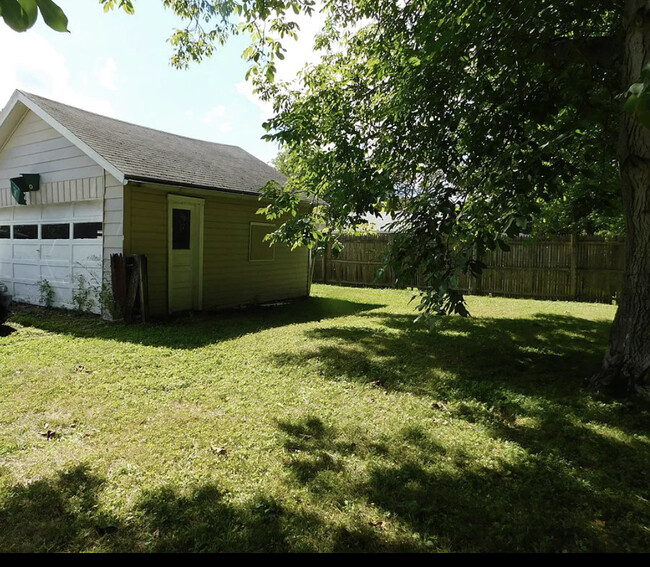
(67, 174)
(113, 222)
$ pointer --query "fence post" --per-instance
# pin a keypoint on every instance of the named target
(573, 286)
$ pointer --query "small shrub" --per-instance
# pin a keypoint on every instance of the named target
(47, 293)
(83, 297)
(107, 301)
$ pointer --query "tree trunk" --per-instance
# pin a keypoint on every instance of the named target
(626, 367)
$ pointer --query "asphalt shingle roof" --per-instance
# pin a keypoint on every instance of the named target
(144, 154)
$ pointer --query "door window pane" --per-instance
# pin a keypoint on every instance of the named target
(181, 229)
(5, 232)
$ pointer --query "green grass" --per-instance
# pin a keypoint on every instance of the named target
(331, 424)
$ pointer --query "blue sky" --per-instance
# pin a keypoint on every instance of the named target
(118, 65)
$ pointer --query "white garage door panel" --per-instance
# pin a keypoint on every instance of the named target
(87, 254)
(26, 214)
(57, 212)
(56, 274)
(23, 290)
(87, 209)
(61, 251)
(27, 272)
(63, 294)
(26, 250)
(25, 263)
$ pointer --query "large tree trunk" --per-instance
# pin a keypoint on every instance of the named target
(626, 367)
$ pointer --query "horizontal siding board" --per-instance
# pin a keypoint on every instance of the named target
(18, 141)
(36, 149)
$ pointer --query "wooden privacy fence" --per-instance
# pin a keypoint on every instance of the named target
(564, 268)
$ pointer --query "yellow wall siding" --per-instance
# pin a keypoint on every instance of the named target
(229, 278)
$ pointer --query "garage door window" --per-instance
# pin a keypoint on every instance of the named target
(5, 232)
(56, 231)
(87, 230)
(25, 232)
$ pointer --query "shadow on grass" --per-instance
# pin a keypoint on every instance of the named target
(518, 380)
(496, 372)
(6, 330)
(194, 330)
(59, 514)
(64, 514)
(546, 353)
(450, 501)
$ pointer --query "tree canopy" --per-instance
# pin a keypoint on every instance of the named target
(465, 120)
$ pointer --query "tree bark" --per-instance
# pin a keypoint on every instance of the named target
(626, 367)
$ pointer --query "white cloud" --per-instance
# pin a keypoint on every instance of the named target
(227, 127)
(246, 89)
(29, 62)
(107, 74)
(214, 114)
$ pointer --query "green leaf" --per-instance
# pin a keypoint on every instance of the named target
(31, 11)
(15, 16)
(53, 15)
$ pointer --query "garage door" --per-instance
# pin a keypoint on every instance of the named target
(60, 245)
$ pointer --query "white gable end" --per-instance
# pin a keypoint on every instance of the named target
(67, 173)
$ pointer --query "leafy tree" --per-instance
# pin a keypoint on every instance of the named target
(466, 119)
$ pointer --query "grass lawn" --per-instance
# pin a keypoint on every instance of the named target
(331, 424)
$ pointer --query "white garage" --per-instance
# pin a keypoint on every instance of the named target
(57, 246)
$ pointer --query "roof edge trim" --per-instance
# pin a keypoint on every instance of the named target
(154, 181)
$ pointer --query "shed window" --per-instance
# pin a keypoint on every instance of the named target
(55, 231)
(87, 230)
(5, 232)
(26, 231)
(259, 248)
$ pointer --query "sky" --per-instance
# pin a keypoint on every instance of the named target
(118, 65)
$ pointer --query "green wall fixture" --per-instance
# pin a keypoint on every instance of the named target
(26, 183)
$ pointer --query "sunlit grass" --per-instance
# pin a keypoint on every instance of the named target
(332, 424)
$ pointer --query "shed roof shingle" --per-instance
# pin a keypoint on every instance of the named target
(145, 154)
